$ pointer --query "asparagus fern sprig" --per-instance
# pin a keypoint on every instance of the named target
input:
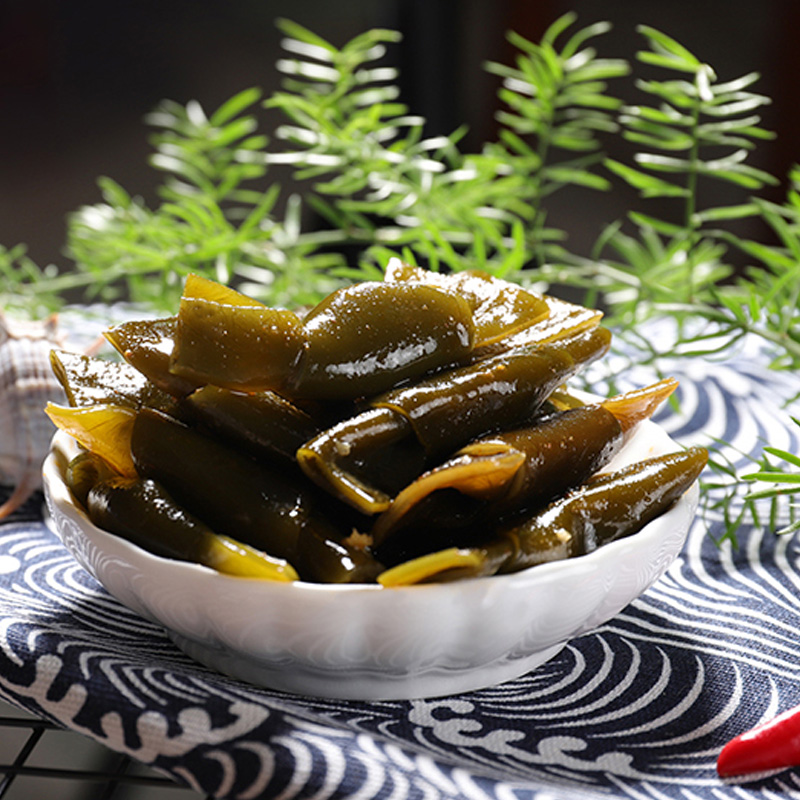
(366, 166)
(25, 287)
(700, 129)
(779, 482)
(695, 130)
(558, 108)
(375, 174)
(213, 218)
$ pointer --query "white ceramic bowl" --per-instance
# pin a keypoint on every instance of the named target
(364, 641)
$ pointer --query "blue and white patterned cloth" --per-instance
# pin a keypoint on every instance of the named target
(637, 709)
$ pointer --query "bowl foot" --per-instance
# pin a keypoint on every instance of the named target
(360, 684)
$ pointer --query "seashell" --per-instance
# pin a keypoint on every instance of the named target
(27, 383)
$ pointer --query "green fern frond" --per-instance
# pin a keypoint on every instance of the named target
(382, 180)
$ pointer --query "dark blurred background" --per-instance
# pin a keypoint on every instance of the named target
(77, 77)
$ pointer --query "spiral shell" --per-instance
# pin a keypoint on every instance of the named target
(27, 383)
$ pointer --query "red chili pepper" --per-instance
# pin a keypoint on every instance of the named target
(771, 745)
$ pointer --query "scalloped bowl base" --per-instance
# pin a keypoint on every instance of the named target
(347, 684)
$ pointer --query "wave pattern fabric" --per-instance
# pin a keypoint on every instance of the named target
(637, 709)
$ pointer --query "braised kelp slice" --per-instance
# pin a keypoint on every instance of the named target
(603, 510)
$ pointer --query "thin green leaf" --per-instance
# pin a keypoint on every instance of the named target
(727, 213)
(579, 38)
(772, 476)
(666, 44)
(665, 61)
(302, 34)
(783, 454)
(665, 228)
(235, 106)
(649, 185)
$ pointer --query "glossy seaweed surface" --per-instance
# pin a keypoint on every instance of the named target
(408, 430)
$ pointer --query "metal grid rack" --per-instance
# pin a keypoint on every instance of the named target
(39, 759)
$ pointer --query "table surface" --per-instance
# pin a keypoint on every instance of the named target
(637, 709)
